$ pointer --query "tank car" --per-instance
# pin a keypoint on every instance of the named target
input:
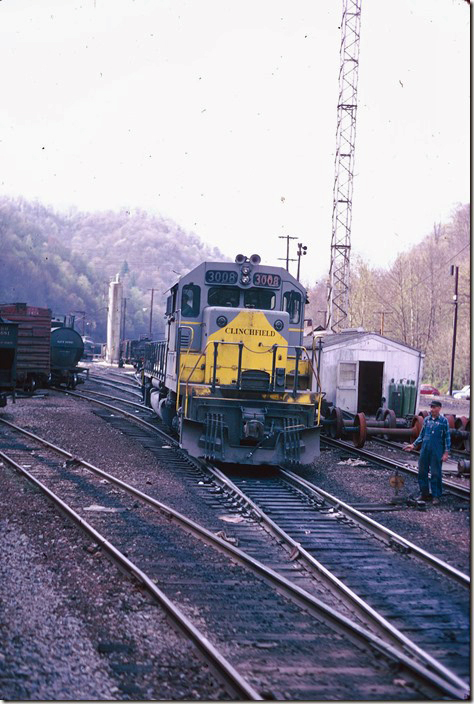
(67, 348)
(232, 376)
(8, 352)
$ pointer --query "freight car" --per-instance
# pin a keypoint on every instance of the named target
(33, 360)
(232, 377)
(133, 351)
(47, 350)
(67, 348)
(8, 353)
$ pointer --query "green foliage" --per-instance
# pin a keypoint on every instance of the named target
(416, 297)
(412, 301)
(65, 261)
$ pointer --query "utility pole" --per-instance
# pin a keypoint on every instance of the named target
(455, 272)
(123, 320)
(301, 251)
(83, 314)
(151, 310)
(288, 260)
(382, 314)
(338, 293)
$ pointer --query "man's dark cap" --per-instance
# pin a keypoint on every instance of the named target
(436, 403)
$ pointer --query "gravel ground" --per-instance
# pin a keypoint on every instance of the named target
(72, 626)
(117, 644)
(443, 530)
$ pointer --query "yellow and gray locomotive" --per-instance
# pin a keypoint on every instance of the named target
(232, 377)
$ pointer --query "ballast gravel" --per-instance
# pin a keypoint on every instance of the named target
(71, 626)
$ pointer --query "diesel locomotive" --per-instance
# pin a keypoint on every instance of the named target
(232, 376)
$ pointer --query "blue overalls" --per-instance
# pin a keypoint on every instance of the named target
(435, 440)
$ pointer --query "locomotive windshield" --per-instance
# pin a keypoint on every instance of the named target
(228, 296)
(259, 298)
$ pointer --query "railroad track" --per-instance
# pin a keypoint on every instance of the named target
(378, 559)
(457, 488)
(129, 387)
(376, 574)
(271, 638)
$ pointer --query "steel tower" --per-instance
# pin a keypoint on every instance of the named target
(338, 293)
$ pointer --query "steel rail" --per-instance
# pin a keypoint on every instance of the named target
(114, 384)
(388, 536)
(456, 489)
(398, 446)
(338, 587)
(218, 663)
(164, 435)
(114, 398)
(439, 677)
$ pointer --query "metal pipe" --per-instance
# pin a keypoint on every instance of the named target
(239, 371)
(455, 271)
(214, 373)
(297, 359)
(275, 347)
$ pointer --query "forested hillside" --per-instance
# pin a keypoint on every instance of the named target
(412, 301)
(65, 262)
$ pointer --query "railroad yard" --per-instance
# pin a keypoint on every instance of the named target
(305, 605)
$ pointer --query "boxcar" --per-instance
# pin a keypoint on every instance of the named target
(8, 353)
(33, 359)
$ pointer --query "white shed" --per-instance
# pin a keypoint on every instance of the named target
(356, 367)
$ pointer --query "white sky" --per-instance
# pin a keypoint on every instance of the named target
(222, 116)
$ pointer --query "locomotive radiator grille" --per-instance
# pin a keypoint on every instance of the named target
(214, 436)
(291, 439)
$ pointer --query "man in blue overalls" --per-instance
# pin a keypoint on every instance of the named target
(435, 441)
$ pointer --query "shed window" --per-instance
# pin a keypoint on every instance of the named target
(227, 296)
(190, 301)
(292, 305)
(347, 373)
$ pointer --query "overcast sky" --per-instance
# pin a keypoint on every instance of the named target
(222, 116)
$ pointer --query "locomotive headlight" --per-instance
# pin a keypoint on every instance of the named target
(278, 325)
(245, 270)
(221, 321)
(245, 279)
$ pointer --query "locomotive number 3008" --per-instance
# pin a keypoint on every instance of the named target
(270, 280)
(215, 276)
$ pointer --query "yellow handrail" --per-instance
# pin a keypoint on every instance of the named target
(181, 367)
(222, 342)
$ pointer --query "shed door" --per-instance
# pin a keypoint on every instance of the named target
(346, 389)
(370, 387)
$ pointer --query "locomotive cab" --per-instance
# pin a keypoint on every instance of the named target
(233, 377)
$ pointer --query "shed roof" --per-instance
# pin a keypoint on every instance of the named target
(349, 336)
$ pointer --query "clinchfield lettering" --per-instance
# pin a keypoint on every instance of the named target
(250, 331)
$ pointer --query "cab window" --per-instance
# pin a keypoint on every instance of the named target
(190, 301)
(259, 298)
(292, 305)
(227, 296)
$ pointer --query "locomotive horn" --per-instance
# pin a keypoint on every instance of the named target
(255, 259)
(240, 259)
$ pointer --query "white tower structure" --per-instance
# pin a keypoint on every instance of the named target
(338, 293)
(114, 320)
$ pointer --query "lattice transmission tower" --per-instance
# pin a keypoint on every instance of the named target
(338, 292)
